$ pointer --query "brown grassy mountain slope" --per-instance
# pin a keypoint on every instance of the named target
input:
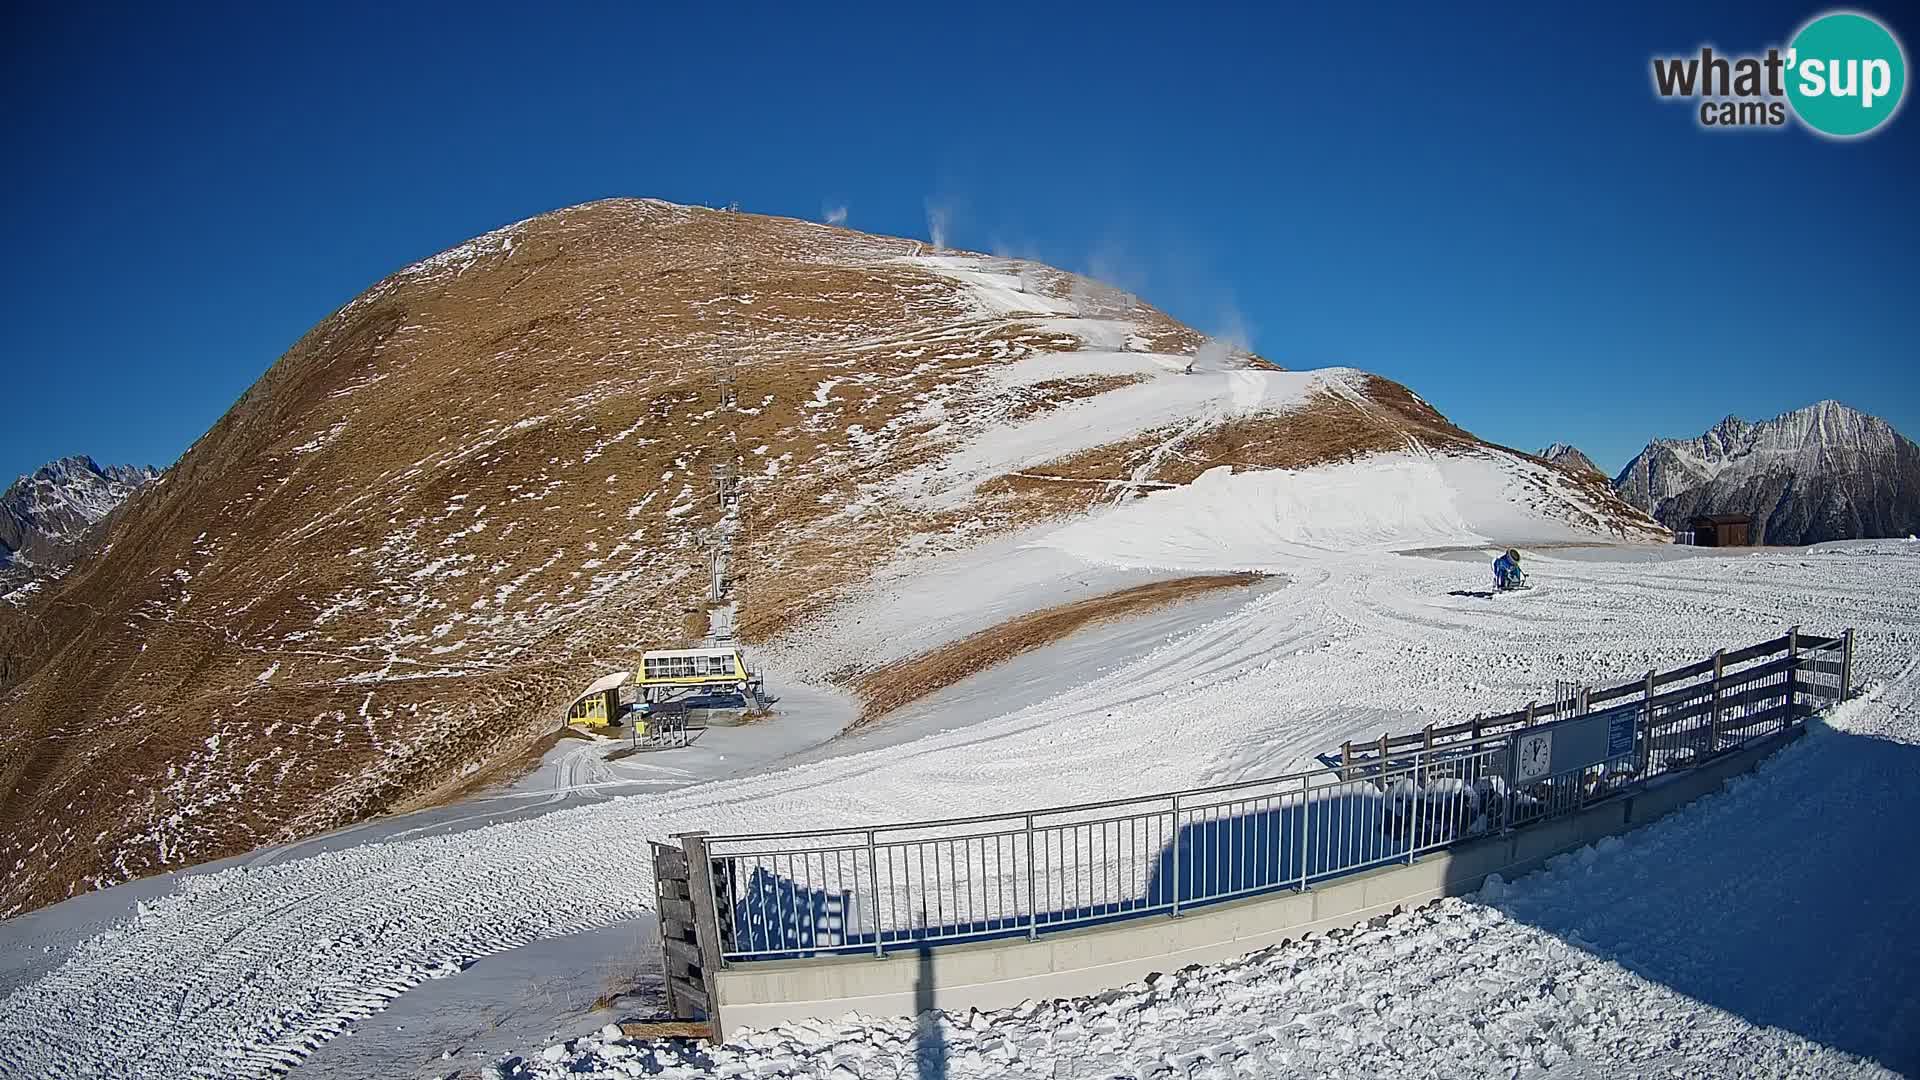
(486, 480)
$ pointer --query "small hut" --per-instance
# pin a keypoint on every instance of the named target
(599, 705)
(1723, 530)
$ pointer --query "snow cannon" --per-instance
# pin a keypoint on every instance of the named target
(1507, 575)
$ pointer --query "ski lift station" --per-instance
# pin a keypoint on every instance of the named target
(690, 675)
(712, 678)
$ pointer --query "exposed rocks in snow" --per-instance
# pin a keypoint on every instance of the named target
(1825, 472)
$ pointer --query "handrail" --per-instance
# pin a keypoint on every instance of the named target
(875, 886)
(1417, 738)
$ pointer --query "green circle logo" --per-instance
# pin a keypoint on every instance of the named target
(1846, 74)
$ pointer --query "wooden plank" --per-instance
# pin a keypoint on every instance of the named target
(1759, 671)
(707, 916)
(1769, 718)
(1765, 648)
(1691, 671)
(680, 911)
(1614, 693)
(673, 889)
(1815, 641)
(670, 862)
(683, 950)
(667, 1029)
(1671, 718)
(694, 994)
(1674, 698)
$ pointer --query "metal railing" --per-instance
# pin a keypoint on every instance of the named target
(1027, 873)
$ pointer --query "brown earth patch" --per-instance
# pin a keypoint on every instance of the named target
(888, 688)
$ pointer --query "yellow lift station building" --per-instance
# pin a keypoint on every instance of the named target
(669, 673)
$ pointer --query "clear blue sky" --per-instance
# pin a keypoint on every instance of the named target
(1495, 210)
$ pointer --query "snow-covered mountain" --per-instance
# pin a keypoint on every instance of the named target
(1569, 457)
(1825, 472)
(46, 515)
(489, 479)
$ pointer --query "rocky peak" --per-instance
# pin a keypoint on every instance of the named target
(43, 513)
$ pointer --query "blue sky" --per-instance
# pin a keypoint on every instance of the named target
(1495, 211)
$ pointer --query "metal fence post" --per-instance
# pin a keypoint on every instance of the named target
(1033, 912)
(1713, 723)
(1346, 760)
(1306, 804)
(1793, 671)
(1176, 855)
(873, 882)
(1646, 723)
(1846, 664)
(1419, 800)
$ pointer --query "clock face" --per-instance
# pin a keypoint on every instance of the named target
(1535, 755)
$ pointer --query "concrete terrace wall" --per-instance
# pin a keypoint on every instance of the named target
(997, 974)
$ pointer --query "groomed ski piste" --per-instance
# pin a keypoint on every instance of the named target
(1765, 931)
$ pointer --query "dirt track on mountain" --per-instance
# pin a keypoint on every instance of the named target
(888, 688)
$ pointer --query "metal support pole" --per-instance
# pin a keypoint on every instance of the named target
(1346, 760)
(1033, 913)
(1793, 671)
(1646, 729)
(1306, 803)
(1846, 664)
(1176, 856)
(1419, 799)
(873, 882)
(1713, 725)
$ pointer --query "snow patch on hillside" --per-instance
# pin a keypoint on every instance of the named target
(1271, 519)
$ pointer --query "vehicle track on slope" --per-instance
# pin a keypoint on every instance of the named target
(244, 970)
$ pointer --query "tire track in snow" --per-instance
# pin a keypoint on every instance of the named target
(243, 971)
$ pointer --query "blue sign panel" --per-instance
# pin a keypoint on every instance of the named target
(1620, 732)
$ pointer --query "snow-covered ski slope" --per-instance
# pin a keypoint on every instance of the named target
(241, 971)
(1705, 945)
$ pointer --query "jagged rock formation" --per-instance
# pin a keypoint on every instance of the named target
(1825, 472)
(47, 516)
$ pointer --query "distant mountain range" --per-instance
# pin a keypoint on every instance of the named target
(1825, 472)
(47, 515)
(1569, 457)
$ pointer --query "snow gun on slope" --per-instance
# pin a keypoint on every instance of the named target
(1507, 575)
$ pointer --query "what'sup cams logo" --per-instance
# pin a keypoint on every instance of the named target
(1843, 75)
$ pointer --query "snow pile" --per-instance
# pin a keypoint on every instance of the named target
(994, 287)
(1200, 400)
(1270, 519)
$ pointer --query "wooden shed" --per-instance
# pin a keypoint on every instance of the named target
(1723, 530)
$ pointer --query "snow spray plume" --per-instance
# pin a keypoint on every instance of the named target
(939, 217)
(836, 215)
(1221, 348)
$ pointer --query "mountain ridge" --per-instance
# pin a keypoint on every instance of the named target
(489, 478)
(1826, 471)
(48, 515)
